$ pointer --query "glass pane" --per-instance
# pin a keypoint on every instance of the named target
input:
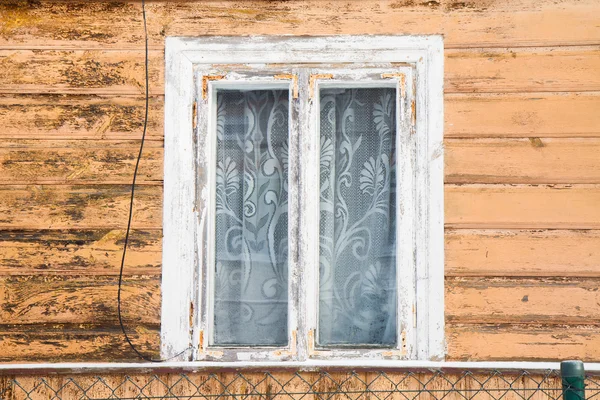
(251, 280)
(357, 287)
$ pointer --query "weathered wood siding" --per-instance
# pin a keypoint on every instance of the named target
(522, 84)
(334, 385)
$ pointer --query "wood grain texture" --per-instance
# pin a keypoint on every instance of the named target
(75, 342)
(522, 300)
(108, 117)
(472, 23)
(68, 299)
(527, 253)
(79, 162)
(533, 160)
(522, 206)
(78, 71)
(78, 206)
(157, 383)
(121, 72)
(79, 252)
(522, 115)
(532, 342)
(561, 69)
(524, 69)
(71, 117)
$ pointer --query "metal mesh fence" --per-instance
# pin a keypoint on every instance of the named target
(321, 385)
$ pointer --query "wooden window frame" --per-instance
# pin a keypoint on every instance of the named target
(194, 68)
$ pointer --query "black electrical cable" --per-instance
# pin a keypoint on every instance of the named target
(135, 172)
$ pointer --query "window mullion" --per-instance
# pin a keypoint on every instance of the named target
(306, 184)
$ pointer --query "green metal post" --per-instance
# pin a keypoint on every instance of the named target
(573, 380)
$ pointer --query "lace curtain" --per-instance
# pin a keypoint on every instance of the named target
(357, 294)
(357, 286)
(251, 289)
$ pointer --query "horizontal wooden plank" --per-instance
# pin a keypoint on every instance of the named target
(76, 206)
(522, 300)
(79, 252)
(69, 342)
(471, 23)
(79, 162)
(467, 115)
(68, 299)
(465, 343)
(561, 69)
(522, 115)
(77, 71)
(121, 72)
(522, 206)
(546, 253)
(466, 206)
(164, 383)
(533, 160)
(79, 117)
(522, 342)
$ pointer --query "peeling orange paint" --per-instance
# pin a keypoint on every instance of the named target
(205, 80)
(201, 339)
(401, 77)
(293, 345)
(294, 79)
(194, 115)
(312, 80)
(311, 342)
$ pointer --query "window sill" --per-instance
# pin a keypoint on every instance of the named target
(199, 366)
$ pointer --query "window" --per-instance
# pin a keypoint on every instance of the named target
(303, 198)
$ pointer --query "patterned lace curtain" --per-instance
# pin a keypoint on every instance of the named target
(251, 289)
(357, 294)
(357, 302)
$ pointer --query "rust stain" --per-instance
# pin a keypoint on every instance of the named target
(191, 314)
(313, 78)
(19, 16)
(413, 114)
(536, 142)
(194, 115)
(205, 80)
(294, 79)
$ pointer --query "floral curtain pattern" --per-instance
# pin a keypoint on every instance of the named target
(357, 256)
(251, 289)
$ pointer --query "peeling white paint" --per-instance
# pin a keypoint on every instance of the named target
(308, 365)
(414, 64)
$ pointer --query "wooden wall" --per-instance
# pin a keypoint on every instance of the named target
(331, 385)
(522, 111)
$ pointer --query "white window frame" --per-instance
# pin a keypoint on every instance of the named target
(191, 65)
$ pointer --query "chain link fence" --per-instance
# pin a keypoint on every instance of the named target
(321, 385)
